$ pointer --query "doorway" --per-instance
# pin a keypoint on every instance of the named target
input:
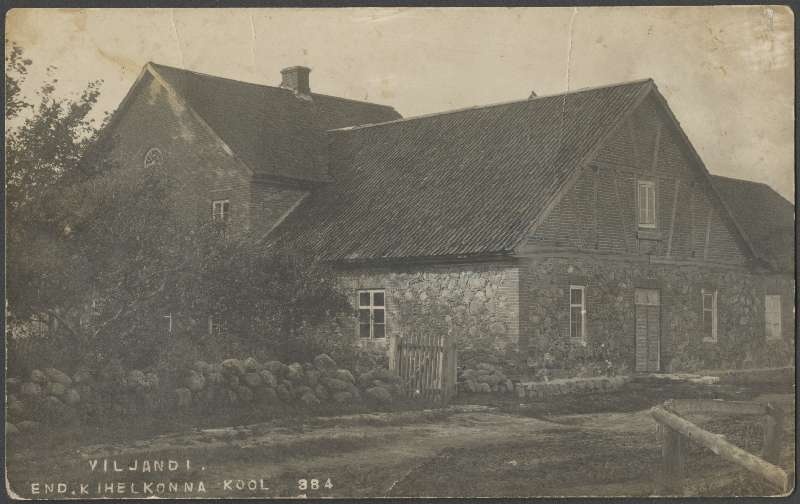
(648, 330)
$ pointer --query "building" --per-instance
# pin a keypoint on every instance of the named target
(583, 226)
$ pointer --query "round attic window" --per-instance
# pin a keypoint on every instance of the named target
(154, 158)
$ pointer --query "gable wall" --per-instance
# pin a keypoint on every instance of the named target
(206, 168)
(599, 213)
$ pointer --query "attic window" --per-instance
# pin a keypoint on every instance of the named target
(154, 158)
(646, 198)
(220, 211)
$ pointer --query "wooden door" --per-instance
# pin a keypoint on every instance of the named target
(648, 330)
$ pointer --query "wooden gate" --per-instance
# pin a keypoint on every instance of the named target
(426, 365)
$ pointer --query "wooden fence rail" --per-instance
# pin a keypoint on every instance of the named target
(676, 431)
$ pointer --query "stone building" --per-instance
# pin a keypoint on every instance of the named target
(582, 226)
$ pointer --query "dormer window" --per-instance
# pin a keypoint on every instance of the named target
(647, 204)
(220, 211)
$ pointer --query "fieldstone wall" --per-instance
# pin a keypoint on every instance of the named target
(469, 300)
(610, 287)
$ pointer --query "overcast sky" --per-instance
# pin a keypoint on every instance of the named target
(727, 72)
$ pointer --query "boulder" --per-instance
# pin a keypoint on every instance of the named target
(135, 379)
(253, 379)
(379, 395)
(343, 397)
(232, 380)
(469, 374)
(202, 366)
(268, 378)
(195, 381)
(283, 393)
(250, 364)
(344, 375)
(214, 378)
(16, 409)
(355, 393)
(38, 376)
(31, 389)
(56, 389)
(312, 377)
(309, 399)
(151, 380)
(29, 426)
(81, 376)
(279, 369)
(72, 397)
(57, 376)
(321, 393)
(11, 429)
(302, 389)
(492, 379)
(53, 408)
(295, 372)
(13, 383)
(244, 393)
(324, 363)
(484, 388)
(233, 367)
(385, 374)
(183, 397)
(267, 395)
(336, 385)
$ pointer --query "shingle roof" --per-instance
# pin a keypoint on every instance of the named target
(764, 215)
(458, 183)
(269, 128)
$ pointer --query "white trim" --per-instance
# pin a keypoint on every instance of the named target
(649, 221)
(224, 212)
(372, 307)
(582, 305)
(713, 311)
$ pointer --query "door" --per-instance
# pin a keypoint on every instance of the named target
(648, 330)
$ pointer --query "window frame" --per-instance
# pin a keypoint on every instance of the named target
(220, 323)
(714, 294)
(650, 188)
(372, 307)
(778, 322)
(224, 213)
(581, 338)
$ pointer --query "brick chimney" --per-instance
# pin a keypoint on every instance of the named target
(296, 79)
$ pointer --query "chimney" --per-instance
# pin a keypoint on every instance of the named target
(296, 79)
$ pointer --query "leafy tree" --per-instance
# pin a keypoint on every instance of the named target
(104, 254)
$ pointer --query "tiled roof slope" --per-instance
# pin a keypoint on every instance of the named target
(269, 128)
(764, 215)
(458, 183)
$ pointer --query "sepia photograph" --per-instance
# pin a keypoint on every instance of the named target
(374, 252)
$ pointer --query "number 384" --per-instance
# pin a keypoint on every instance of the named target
(314, 484)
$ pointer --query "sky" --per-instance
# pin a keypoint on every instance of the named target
(727, 72)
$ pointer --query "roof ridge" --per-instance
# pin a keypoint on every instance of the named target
(496, 104)
(756, 182)
(278, 88)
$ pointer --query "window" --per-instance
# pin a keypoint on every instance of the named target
(217, 326)
(168, 323)
(772, 314)
(372, 314)
(577, 312)
(709, 315)
(154, 158)
(647, 204)
(220, 210)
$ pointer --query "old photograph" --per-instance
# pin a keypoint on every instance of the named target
(377, 252)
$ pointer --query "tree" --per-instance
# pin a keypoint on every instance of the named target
(105, 253)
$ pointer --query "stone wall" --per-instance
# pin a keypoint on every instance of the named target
(467, 300)
(610, 286)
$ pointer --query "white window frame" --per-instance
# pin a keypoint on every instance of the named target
(648, 219)
(220, 325)
(582, 307)
(220, 210)
(372, 307)
(777, 335)
(710, 312)
(169, 323)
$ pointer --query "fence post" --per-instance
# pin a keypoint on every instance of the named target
(393, 352)
(673, 456)
(773, 434)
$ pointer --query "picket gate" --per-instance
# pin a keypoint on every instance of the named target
(426, 364)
